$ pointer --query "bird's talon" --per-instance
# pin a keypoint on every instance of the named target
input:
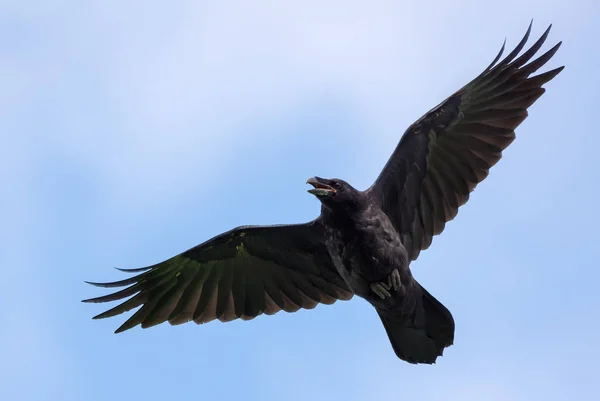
(380, 290)
(394, 279)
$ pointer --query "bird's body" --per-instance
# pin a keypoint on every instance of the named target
(367, 252)
(365, 248)
(363, 242)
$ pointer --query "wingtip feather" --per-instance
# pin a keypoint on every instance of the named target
(137, 270)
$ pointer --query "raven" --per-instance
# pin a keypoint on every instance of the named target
(363, 241)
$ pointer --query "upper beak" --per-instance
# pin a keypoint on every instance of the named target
(320, 187)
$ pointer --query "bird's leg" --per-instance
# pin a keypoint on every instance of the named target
(394, 280)
(382, 289)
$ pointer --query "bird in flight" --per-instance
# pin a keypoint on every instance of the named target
(363, 242)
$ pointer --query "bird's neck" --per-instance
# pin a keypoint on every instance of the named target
(341, 217)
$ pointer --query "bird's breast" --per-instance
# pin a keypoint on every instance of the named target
(366, 254)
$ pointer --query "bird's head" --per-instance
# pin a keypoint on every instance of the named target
(334, 193)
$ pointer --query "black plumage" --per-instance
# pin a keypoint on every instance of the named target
(363, 241)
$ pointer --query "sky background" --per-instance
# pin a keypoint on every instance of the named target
(132, 131)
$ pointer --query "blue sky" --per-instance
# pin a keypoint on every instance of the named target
(133, 131)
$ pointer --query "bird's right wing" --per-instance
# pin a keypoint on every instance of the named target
(447, 152)
(241, 273)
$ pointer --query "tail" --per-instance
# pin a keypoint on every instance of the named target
(420, 338)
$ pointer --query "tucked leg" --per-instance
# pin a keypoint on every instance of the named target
(382, 289)
(394, 280)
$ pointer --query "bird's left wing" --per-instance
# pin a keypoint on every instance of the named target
(447, 152)
(242, 273)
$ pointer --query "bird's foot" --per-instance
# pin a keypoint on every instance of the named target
(382, 289)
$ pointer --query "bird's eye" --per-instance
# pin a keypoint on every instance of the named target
(337, 185)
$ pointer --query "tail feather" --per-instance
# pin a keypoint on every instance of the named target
(420, 339)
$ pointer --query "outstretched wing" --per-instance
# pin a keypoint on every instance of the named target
(447, 152)
(241, 273)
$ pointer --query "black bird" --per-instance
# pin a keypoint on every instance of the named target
(363, 241)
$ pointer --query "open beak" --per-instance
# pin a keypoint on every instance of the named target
(320, 189)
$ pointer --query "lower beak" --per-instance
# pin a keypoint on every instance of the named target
(320, 188)
(320, 192)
